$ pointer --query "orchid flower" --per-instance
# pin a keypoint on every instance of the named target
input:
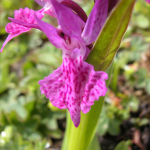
(74, 85)
(24, 19)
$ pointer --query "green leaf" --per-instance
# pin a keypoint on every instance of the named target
(142, 21)
(57, 134)
(148, 85)
(103, 123)
(34, 136)
(133, 104)
(32, 123)
(143, 121)
(51, 124)
(114, 127)
(122, 146)
(111, 35)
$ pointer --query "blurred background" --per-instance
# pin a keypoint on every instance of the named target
(28, 121)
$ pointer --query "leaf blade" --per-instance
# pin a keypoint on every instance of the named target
(111, 35)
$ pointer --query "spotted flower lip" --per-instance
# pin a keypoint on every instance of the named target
(74, 85)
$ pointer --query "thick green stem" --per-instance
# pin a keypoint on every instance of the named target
(81, 137)
(67, 132)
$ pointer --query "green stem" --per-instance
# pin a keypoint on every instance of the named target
(81, 137)
(67, 132)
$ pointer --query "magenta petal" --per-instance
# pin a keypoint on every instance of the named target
(47, 7)
(53, 88)
(67, 19)
(6, 41)
(24, 24)
(95, 21)
(87, 53)
(51, 33)
(27, 15)
(50, 11)
(75, 86)
(148, 1)
(12, 35)
(24, 17)
(95, 88)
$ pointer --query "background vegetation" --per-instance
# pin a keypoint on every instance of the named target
(28, 120)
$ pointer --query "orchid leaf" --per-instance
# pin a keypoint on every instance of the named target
(122, 145)
(111, 35)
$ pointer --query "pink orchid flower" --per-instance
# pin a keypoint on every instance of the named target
(74, 85)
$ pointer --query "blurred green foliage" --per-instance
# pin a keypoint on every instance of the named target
(123, 145)
(27, 119)
(112, 116)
